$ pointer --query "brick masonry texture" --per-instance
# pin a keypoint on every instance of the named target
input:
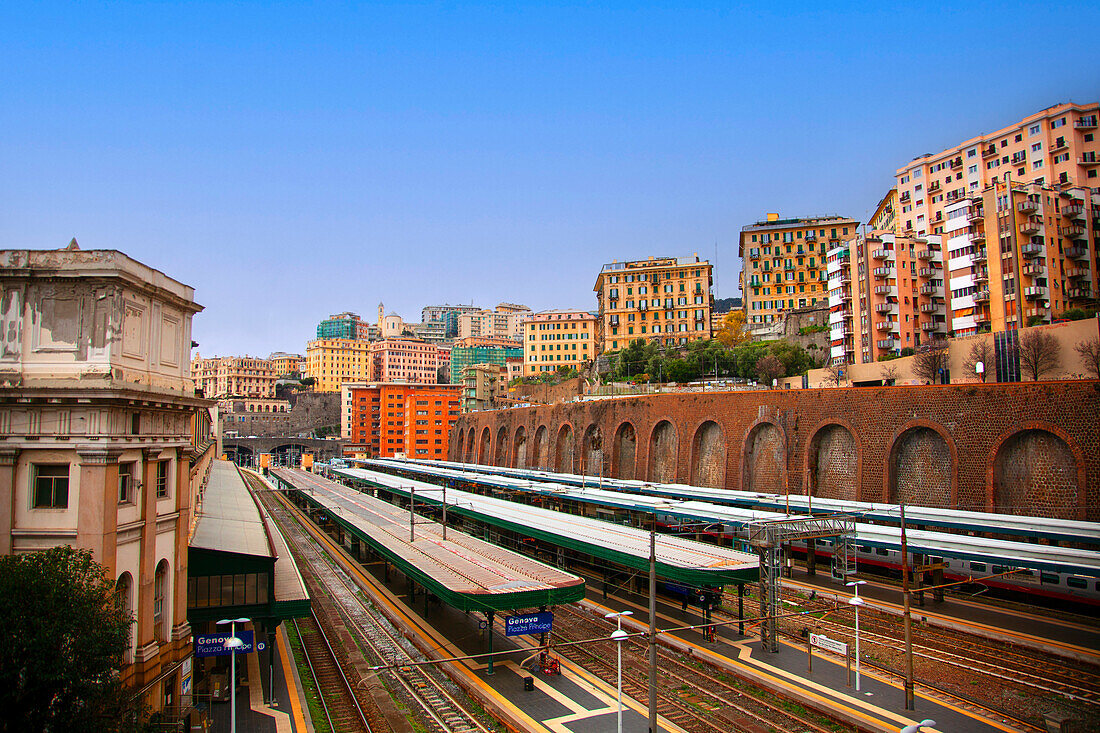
(1016, 448)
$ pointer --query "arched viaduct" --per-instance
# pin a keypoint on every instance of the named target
(248, 448)
(1011, 448)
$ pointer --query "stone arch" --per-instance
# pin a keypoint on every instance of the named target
(502, 447)
(541, 457)
(662, 453)
(460, 440)
(484, 448)
(765, 459)
(563, 449)
(470, 449)
(592, 451)
(624, 451)
(519, 448)
(833, 463)
(920, 467)
(1036, 473)
(708, 455)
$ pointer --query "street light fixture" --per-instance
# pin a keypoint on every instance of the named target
(916, 727)
(856, 601)
(233, 643)
(617, 636)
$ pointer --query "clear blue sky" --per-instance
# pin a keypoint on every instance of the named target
(295, 160)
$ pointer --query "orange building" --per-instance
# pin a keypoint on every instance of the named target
(383, 419)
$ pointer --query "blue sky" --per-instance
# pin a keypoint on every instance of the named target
(291, 160)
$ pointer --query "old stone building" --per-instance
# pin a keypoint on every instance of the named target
(102, 440)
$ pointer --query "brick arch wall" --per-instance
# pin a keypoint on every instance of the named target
(519, 448)
(502, 446)
(1036, 472)
(975, 417)
(662, 453)
(708, 455)
(541, 456)
(471, 451)
(563, 449)
(921, 466)
(765, 459)
(833, 462)
(624, 451)
(592, 450)
(485, 446)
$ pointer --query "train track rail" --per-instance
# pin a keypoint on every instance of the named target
(439, 702)
(689, 696)
(335, 692)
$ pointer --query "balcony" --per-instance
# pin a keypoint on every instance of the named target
(930, 326)
(926, 271)
(1086, 123)
(881, 254)
(930, 307)
(1034, 268)
(978, 256)
(933, 186)
(884, 307)
(1058, 144)
(883, 289)
(1031, 249)
(885, 343)
(904, 198)
(1078, 293)
(643, 306)
(1027, 206)
(845, 295)
(1074, 211)
(928, 289)
(981, 296)
(1088, 159)
(885, 325)
(989, 150)
(811, 236)
(976, 214)
(881, 272)
(1075, 231)
(957, 162)
(1035, 292)
(1019, 158)
(1077, 253)
(789, 267)
(926, 254)
(1074, 272)
(1031, 225)
(981, 319)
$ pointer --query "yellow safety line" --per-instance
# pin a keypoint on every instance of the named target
(291, 688)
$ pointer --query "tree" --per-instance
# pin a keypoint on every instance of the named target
(930, 362)
(981, 352)
(890, 373)
(768, 369)
(63, 634)
(732, 331)
(1089, 351)
(1039, 354)
(834, 374)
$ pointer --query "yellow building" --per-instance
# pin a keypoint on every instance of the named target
(286, 364)
(784, 263)
(553, 339)
(331, 362)
(234, 376)
(662, 299)
(885, 218)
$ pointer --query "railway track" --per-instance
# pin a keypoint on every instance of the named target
(337, 696)
(689, 696)
(438, 702)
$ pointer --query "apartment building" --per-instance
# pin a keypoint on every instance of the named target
(344, 326)
(403, 360)
(505, 322)
(886, 294)
(557, 338)
(783, 264)
(483, 386)
(662, 299)
(285, 364)
(464, 356)
(234, 376)
(331, 362)
(384, 419)
(103, 443)
(885, 216)
(1054, 147)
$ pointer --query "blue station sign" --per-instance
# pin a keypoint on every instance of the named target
(213, 645)
(531, 623)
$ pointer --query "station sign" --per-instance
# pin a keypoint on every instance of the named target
(213, 645)
(823, 642)
(531, 623)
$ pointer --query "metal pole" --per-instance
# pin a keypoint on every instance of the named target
(653, 625)
(857, 641)
(619, 648)
(412, 521)
(444, 511)
(233, 682)
(489, 616)
(909, 705)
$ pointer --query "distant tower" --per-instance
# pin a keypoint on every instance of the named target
(381, 313)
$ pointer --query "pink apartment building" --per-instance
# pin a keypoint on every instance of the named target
(402, 360)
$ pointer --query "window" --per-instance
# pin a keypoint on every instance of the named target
(51, 486)
(162, 479)
(1033, 130)
(125, 483)
(160, 581)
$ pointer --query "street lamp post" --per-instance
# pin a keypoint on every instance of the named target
(856, 601)
(617, 636)
(233, 643)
